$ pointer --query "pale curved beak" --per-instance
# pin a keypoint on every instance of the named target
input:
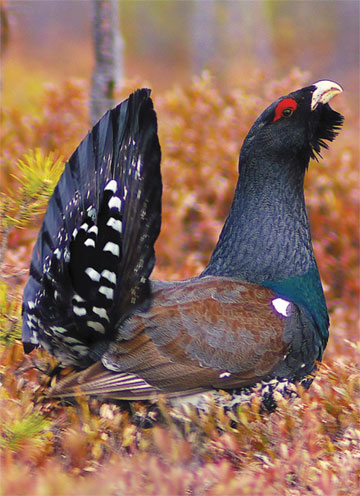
(324, 92)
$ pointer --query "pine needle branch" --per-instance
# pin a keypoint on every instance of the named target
(37, 175)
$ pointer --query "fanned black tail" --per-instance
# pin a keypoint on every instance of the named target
(95, 250)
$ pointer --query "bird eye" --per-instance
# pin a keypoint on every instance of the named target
(287, 112)
(285, 108)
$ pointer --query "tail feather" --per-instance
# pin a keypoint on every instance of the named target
(95, 250)
(100, 381)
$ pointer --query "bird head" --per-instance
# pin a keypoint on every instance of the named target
(296, 125)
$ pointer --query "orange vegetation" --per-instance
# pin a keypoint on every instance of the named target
(310, 445)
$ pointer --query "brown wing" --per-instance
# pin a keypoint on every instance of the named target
(197, 335)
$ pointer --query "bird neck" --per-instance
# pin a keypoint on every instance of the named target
(266, 236)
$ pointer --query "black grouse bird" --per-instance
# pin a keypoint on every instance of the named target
(255, 316)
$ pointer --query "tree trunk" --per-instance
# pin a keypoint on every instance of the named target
(108, 45)
(203, 26)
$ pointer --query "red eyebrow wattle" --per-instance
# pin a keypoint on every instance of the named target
(284, 104)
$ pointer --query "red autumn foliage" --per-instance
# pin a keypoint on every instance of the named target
(310, 445)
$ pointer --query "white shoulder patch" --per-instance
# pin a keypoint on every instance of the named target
(281, 306)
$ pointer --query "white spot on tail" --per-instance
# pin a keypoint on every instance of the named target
(101, 312)
(92, 273)
(79, 311)
(32, 318)
(110, 276)
(57, 253)
(92, 212)
(58, 329)
(112, 248)
(281, 306)
(90, 242)
(93, 229)
(108, 292)
(71, 340)
(84, 226)
(115, 224)
(78, 298)
(81, 349)
(33, 338)
(115, 202)
(96, 326)
(66, 255)
(111, 186)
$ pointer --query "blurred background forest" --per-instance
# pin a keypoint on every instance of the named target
(168, 42)
(213, 67)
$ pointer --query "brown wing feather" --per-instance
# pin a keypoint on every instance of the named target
(196, 335)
